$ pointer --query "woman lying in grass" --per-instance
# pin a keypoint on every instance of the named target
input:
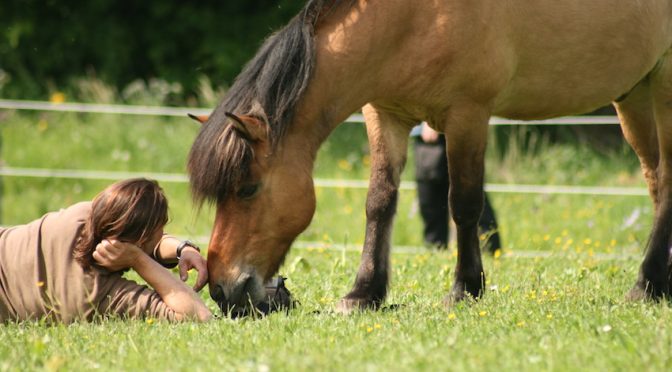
(68, 265)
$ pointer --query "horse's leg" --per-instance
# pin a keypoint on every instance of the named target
(466, 131)
(653, 278)
(639, 128)
(388, 139)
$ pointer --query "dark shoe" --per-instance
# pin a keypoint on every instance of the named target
(278, 297)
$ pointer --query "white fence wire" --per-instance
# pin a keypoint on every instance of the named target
(183, 111)
(325, 183)
(320, 182)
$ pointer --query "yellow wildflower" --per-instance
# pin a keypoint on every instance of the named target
(57, 97)
(344, 165)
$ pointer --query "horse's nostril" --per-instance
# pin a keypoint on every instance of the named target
(217, 293)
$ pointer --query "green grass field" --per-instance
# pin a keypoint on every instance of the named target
(555, 298)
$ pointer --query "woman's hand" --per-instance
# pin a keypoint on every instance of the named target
(428, 134)
(192, 259)
(115, 255)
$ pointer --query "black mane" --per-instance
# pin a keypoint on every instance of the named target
(269, 87)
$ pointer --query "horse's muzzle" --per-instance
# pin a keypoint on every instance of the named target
(245, 292)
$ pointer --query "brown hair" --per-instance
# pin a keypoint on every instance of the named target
(130, 210)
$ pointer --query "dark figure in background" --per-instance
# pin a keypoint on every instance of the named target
(431, 174)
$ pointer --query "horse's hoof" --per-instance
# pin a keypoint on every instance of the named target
(455, 297)
(647, 292)
(462, 292)
(348, 305)
(636, 294)
(639, 294)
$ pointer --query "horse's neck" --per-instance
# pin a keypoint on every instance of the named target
(338, 86)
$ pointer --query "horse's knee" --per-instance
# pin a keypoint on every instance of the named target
(466, 207)
(381, 203)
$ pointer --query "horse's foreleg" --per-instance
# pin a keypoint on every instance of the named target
(654, 274)
(388, 146)
(466, 136)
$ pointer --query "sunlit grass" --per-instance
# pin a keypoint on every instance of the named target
(558, 314)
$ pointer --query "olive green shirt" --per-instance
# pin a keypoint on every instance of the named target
(39, 277)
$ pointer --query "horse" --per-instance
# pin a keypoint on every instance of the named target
(452, 63)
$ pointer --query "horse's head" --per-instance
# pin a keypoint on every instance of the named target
(256, 166)
(264, 198)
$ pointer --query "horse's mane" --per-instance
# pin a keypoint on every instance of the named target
(269, 88)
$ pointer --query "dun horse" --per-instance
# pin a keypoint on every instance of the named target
(453, 63)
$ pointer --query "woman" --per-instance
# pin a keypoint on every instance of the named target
(68, 265)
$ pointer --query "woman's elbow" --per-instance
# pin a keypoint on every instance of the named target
(199, 314)
(204, 315)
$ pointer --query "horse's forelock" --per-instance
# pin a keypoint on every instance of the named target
(269, 87)
(219, 160)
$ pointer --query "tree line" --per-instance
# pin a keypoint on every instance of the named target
(47, 43)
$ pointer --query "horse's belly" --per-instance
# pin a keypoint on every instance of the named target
(573, 64)
(553, 98)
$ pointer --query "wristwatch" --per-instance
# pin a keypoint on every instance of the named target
(183, 244)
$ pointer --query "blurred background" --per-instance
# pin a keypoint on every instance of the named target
(50, 46)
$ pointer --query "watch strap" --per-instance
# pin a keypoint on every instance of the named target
(183, 244)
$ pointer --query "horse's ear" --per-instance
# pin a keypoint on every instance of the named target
(249, 127)
(199, 118)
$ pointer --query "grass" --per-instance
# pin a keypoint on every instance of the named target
(563, 311)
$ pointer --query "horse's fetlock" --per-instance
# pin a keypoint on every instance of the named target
(466, 214)
(473, 280)
(466, 221)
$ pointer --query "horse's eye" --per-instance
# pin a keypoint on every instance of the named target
(248, 191)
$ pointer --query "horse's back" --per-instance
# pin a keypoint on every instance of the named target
(530, 58)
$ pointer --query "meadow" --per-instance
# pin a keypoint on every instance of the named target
(554, 299)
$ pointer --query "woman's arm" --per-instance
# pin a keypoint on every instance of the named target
(177, 296)
(166, 252)
(174, 293)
